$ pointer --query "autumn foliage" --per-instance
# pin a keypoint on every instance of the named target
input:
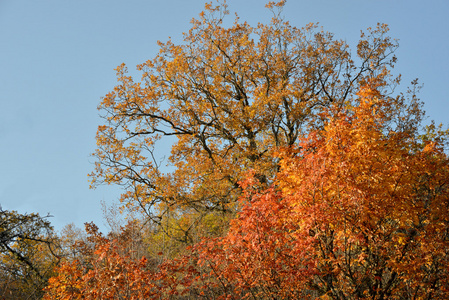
(358, 210)
(296, 174)
(225, 99)
(108, 269)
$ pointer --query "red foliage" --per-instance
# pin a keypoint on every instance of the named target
(359, 210)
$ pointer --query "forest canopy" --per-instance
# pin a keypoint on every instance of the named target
(300, 168)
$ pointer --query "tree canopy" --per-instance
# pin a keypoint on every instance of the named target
(226, 99)
(296, 171)
(358, 210)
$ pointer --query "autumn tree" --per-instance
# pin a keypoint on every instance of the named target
(359, 210)
(28, 253)
(109, 267)
(226, 99)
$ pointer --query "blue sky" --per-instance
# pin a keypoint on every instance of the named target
(57, 59)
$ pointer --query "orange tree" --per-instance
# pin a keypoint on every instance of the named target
(108, 267)
(225, 99)
(359, 210)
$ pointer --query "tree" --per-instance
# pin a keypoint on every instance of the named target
(110, 267)
(306, 173)
(227, 99)
(27, 255)
(359, 210)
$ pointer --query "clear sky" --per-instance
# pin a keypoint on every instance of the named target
(57, 59)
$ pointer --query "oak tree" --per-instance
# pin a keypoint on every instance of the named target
(226, 99)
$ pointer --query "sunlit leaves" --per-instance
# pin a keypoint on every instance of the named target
(110, 270)
(356, 212)
(226, 99)
(306, 174)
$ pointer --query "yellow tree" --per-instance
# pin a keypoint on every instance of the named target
(27, 255)
(225, 99)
